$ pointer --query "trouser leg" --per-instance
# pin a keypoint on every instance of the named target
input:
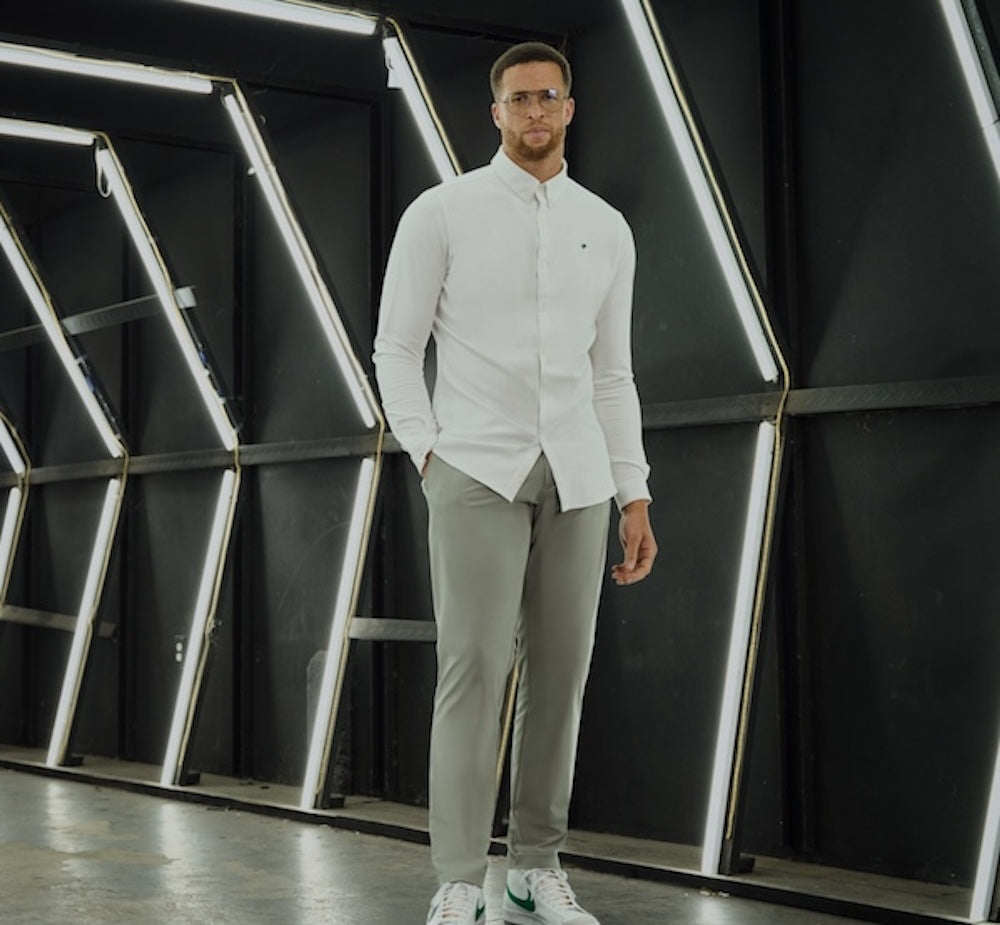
(564, 575)
(478, 544)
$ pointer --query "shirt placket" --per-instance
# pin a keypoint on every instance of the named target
(544, 289)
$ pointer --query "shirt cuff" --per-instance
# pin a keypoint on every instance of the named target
(636, 490)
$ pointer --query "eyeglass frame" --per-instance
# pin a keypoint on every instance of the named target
(547, 103)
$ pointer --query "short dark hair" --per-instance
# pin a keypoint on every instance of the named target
(525, 53)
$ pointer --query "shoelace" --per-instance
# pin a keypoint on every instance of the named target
(458, 902)
(552, 888)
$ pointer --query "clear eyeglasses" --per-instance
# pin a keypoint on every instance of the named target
(520, 101)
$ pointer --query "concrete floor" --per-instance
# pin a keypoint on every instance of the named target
(72, 852)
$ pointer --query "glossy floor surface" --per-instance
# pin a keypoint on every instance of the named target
(72, 852)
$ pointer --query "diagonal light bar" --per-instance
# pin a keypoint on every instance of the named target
(293, 11)
(11, 450)
(736, 664)
(975, 76)
(302, 256)
(110, 171)
(51, 60)
(403, 75)
(737, 275)
(350, 577)
(100, 556)
(41, 131)
(38, 297)
(202, 624)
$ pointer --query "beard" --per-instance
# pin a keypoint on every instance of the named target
(527, 151)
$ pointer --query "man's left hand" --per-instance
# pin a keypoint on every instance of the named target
(638, 542)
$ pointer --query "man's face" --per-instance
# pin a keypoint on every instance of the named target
(536, 133)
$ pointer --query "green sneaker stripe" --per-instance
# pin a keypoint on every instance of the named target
(528, 905)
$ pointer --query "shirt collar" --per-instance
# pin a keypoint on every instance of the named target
(523, 184)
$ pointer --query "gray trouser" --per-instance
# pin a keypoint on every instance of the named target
(510, 579)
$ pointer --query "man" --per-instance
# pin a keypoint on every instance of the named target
(524, 279)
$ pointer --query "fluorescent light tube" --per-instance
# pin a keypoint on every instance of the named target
(736, 664)
(40, 302)
(41, 131)
(403, 76)
(305, 14)
(51, 60)
(336, 650)
(110, 170)
(302, 257)
(975, 76)
(641, 21)
(989, 853)
(201, 625)
(11, 450)
(100, 555)
(8, 537)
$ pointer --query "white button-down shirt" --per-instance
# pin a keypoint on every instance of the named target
(527, 290)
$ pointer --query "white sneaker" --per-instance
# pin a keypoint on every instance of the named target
(457, 903)
(542, 897)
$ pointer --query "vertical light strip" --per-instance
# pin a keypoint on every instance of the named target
(403, 75)
(336, 650)
(50, 60)
(653, 53)
(42, 305)
(8, 537)
(989, 853)
(100, 555)
(736, 663)
(303, 14)
(202, 623)
(110, 171)
(975, 76)
(302, 256)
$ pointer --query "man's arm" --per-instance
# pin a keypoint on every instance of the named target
(413, 279)
(616, 402)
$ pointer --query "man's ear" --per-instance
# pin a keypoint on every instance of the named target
(494, 107)
(570, 109)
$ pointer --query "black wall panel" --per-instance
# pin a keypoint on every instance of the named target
(301, 513)
(323, 150)
(898, 200)
(652, 704)
(902, 539)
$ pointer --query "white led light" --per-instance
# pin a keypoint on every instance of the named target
(319, 741)
(989, 853)
(642, 27)
(51, 60)
(111, 172)
(975, 76)
(100, 555)
(53, 329)
(40, 131)
(402, 76)
(302, 257)
(11, 450)
(201, 625)
(8, 536)
(305, 14)
(736, 664)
